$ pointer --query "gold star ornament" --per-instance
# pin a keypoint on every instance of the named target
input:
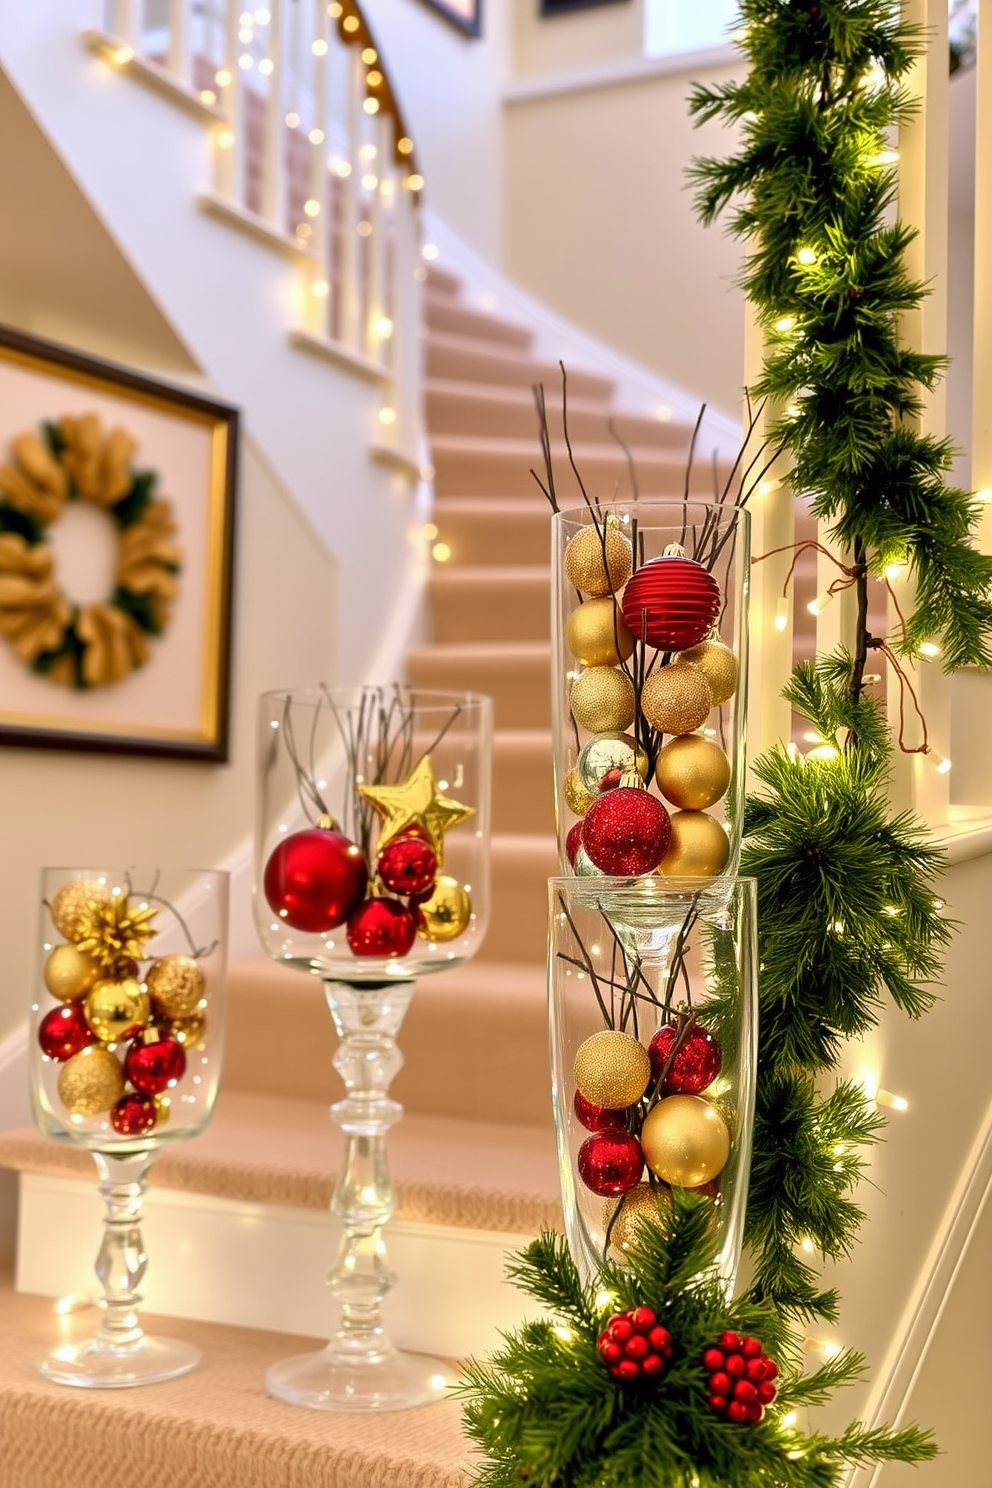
(417, 802)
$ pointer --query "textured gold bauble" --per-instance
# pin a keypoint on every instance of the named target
(446, 913)
(610, 751)
(190, 1032)
(699, 847)
(603, 700)
(116, 1010)
(577, 798)
(584, 566)
(91, 1081)
(70, 973)
(718, 665)
(685, 1140)
(692, 772)
(646, 1201)
(72, 905)
(612, 1069)
(597, 635)
(676, 699)
(163, 1109)
(176, 985)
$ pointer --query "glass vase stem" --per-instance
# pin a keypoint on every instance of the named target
(121, 1262)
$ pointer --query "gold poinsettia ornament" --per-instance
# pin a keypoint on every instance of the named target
(115, 931)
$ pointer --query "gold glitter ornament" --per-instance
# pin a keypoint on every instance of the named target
(446, 913)
(190, 1032)
(70, 973)
(584, 566)
(718, 665)
(91, 1081)
(685, 1140)
(163, 1109)
(699, 847)
(117, 1010)
(577, 798)
(611, 1069)
(646, 1201)
(597, 635)
(676, 699)
(115, 932)
(177, 986)
(692, 772)
(74, 901)
(610, 751)
(603, 701)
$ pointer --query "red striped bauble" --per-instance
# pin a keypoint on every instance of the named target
(671, 602)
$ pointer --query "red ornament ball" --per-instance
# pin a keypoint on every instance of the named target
(573, 842)
(314, 879)
(610, 1162)
(64, 1031)
(133, 1115)
(672, 602)
(407, 865)
(596, 1118)
(381, 927)
(152, 1068)
(695, 1066)
(626, 832)
(741, 1378)
(634, 1345)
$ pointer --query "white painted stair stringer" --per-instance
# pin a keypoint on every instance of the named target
(234, 302)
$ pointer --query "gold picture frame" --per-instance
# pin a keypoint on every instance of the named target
(117, 508)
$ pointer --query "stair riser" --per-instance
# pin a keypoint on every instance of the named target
(520, 688)
(471, 413)
(458, 320)
(518, 927)
(477, 607)
(523, 789)
(474, 363)
(477, 534)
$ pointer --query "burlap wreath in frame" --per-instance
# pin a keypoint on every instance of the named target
(94, 644)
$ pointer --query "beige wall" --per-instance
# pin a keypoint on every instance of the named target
(576, 39)
(598, 222)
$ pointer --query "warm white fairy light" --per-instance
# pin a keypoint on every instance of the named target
(266, 66)
(319, 48)
(806, 256)
(786, 323)
(387, 415)
(782, 614)
(819, 604)
(222, 78)
(320, 288)
(884, 157)
(124, 55)
(929, 649)
(371, 105)
(938, 761)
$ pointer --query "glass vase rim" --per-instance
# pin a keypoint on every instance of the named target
(678, 883)
(582, 516)
(436, 699)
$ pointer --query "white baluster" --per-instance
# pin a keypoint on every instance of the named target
(376, 308)
(319, 181)
(179, 58)
(407, 346)
(231, 153)
(274, 148)
(350, 330)
(126, 21)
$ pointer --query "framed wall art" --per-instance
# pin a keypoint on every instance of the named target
(117, 499)
(465, 14)
(565, 7)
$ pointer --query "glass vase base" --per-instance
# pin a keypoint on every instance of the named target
(92, 1365)
(388, 1382)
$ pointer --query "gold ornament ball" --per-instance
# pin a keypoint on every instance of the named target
(676, 699)
(610, 751)
(597, 635)
(692, 772)
(643, 1202)
(446, 913)
(163, 1109)
(577, 798)
(699, 847)
(584, 566)
(603, 701)
(116, 1010)
(718, 665)
(91, 1081)
(72, 904)
(612, 1069)
(70, 973)
(685, 1140)
(190, 1032)
(176, 985)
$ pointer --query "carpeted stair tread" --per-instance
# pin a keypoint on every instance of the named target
(469, 359)
(492, 529)
(455, 407)
(442, 313)
(523, 785)
(515, 674)
(491, 603)
(467, 465)
(214, 1428)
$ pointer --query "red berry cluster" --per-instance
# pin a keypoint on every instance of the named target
(741, 1375)
(634, 1344)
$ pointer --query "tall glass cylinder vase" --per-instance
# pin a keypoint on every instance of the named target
(649, 685)
(372, 869)
(653, 1017)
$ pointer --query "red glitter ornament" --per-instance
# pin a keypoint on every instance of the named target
(407, 865)
(133, 1115)
(671, 602)
(634, 1345)
(695, 1066)
(626, 832)
(610, 1162)
(381, 927)
(64, 1031)
(314, 879)
(740, 1378)
(596, 1118)
(153, 1067)
(573, 842)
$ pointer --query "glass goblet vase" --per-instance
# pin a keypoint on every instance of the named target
(127, 1030)
(372, 869)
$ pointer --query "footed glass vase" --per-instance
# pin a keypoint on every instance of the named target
(372, 870)
(126, 1037)
(653, 1024)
